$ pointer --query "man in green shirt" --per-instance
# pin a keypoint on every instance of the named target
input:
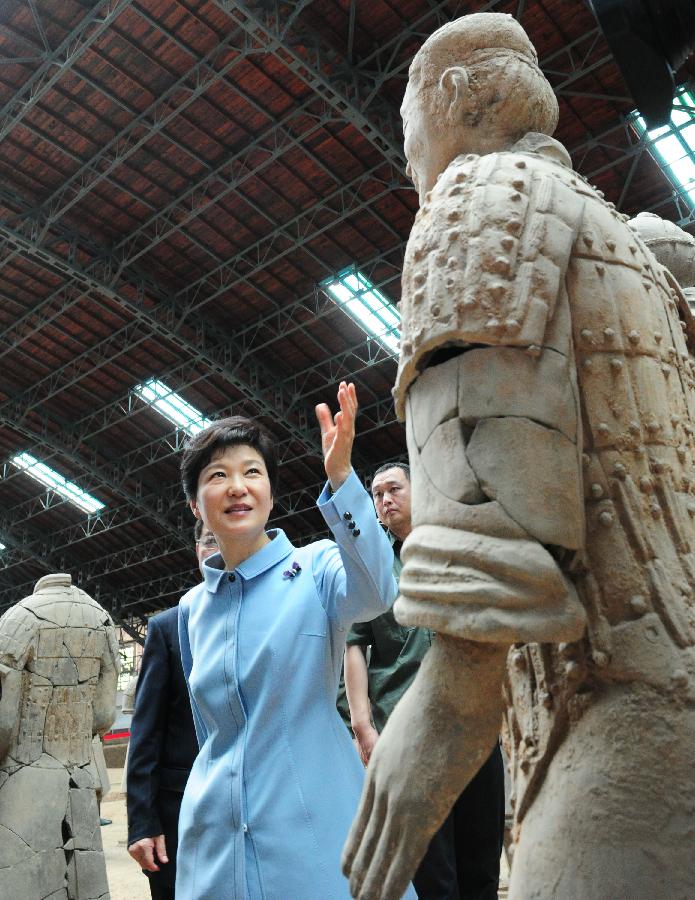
(462, 862)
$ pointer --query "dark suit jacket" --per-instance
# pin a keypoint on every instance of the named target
(163, 744)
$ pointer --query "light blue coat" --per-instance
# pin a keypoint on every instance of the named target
(276, 783)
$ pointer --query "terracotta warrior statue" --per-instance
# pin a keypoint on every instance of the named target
(546, 381)
(58, 671)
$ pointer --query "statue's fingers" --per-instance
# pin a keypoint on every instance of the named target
(363, 861)
(400, 872)
(359, 824)
(378, 863)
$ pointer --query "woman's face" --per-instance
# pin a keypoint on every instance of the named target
(234, 497)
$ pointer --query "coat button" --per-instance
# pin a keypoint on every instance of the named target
(351, 525)
(232, 576)
(355, 532)
(347, 516)
(245, 828)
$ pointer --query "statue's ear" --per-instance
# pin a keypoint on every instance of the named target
(458, 96)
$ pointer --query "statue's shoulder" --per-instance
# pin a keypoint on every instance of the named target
(18, 630)
(488, 253)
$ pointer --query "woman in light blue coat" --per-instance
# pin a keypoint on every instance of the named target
(276, 783)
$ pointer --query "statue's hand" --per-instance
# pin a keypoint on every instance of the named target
(409, 789)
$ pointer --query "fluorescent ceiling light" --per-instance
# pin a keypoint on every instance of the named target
(673, 145)
(2, 546)
(172, 406)
(56, 482)
(373, 311)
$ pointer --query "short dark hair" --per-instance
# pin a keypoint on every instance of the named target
(227, 432)
(404, 467)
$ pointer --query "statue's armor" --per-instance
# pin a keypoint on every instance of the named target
(59, 645)
(539, 282)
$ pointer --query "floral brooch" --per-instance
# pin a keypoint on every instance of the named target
(291, 573)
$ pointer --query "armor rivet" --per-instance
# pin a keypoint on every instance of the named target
(603, 428)
(455, 191)
(652, 427)
(655, 511)
(450, 283)
(440, 259)
(428, 196)
(492, 324)
(601, 270)
(587, 363)
(610, 245)
(453, 235)
(452, 262)
(418, 297)
(600, 659)
(586, 334)
(599, 193)
(419, 278)
(638, 604)
(418, 254)
(681, 453)
(597, 490)
(533, 350)
(507, 243)
(546, 699)
(520, 164)
(658, 337)
(512, 325)
(647, 285)
(632, 248)
(572, 670)
(460, 177)
(518, 184)
(646, 484)
(616, 364)
(435, 310)
(634, 337)
(666, 370)
(524, 765)
(454, 215)
(619, 470)
(680, 678)
(498, 290)
(609, 334)
(588, 240)
(633, 428)
(606, 518)
(515, 197)
(513, 226)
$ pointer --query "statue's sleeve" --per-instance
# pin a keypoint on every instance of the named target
(18, 630)
(493, 421)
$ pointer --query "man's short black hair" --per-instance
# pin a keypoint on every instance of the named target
(404, 467)
(224, 433)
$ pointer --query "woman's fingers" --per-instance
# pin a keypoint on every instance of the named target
(325, 419)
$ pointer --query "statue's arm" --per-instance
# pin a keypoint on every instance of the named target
(10, 703)
(104, 704)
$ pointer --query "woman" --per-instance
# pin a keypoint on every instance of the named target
(276, 783)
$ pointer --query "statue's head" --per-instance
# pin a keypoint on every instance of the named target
(673, 247)
(474, 87)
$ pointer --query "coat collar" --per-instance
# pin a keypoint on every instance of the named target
(278, 548)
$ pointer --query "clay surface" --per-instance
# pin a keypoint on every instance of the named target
(58, 670)
(546, 380)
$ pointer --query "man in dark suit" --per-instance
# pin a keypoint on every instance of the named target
(163, 746)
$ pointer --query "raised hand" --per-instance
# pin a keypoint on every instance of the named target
(338, 434)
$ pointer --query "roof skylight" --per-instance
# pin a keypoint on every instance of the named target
(49, 478)
(2, 546)
(673, 145)
(172, 406)
(366, 304)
